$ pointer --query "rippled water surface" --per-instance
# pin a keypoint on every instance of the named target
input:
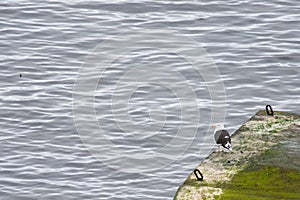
(254, 44)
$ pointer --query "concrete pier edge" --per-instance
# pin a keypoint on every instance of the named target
(256, 136)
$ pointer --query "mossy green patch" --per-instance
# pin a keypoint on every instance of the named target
(265, 183)
(275, 174)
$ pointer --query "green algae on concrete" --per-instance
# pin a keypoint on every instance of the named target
(263, 183)
(274, 174)
(265, 163)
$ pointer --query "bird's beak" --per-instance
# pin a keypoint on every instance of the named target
(213, 125)
(230, 149)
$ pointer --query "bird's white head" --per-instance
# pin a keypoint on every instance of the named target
(218, 126)
(228, 145)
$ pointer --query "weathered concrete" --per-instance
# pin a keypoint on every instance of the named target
(258, 135)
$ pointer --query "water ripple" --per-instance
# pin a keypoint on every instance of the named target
(43, 44)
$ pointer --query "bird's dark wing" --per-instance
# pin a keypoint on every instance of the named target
(220, 136)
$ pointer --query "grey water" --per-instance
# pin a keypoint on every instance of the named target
(44, 44)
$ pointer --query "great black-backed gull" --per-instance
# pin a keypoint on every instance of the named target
(222, 136)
